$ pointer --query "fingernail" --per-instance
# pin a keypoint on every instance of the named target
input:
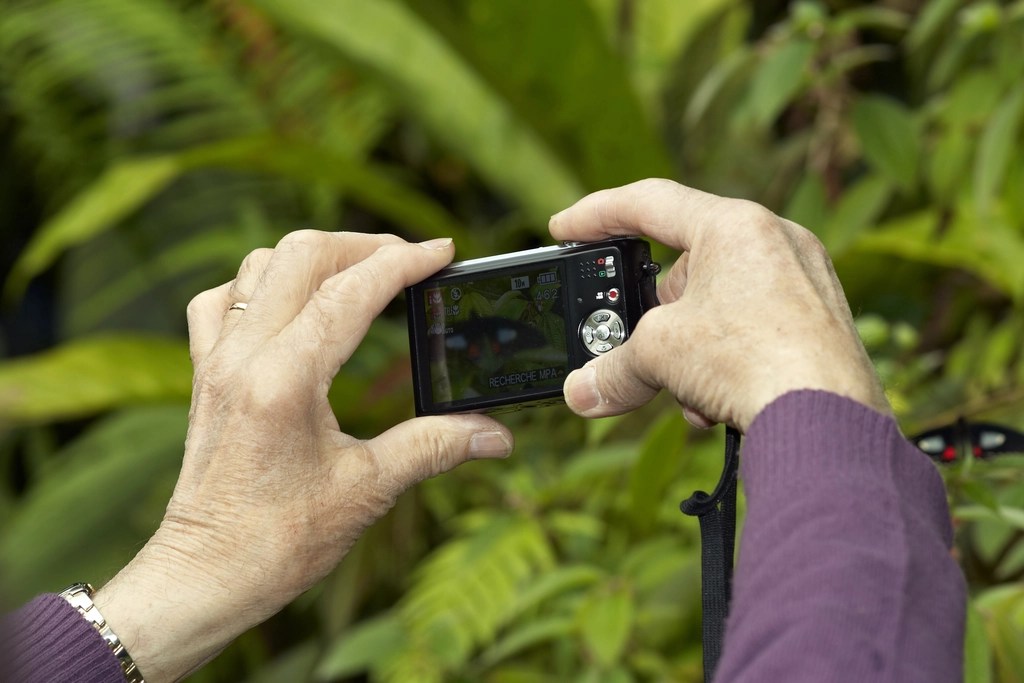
(581, 389)
(438, 243)
(554, 217)
(489, 445)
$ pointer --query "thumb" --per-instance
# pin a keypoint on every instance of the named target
(612, 384)
(427, 446)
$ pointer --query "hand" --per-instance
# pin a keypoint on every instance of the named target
(751, 311)
(271, 493)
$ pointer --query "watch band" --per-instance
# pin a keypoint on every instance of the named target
(79, 596)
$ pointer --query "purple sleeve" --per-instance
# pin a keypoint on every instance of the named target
(844, 570)
(48, 641)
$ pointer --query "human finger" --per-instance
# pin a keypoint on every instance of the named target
(671, 286)
(242, 287)
(205, 317)
(427, 446)
(619, 381)
(301, 262)
(697, 418)
(340, 312)
(672, 214)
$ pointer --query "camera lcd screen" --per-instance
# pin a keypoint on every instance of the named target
(497, 335)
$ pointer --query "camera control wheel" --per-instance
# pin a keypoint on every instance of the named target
(602, 331)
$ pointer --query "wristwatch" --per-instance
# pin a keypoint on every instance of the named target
(79, 596)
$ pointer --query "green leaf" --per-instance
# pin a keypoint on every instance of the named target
(949, 164)
(873, 330)
(88, 516)
(553, 584)
(889, 138)
(1014, 517)
(662, 31)
(580, 524)
(990, 249)
(981, 493)
(601, 133)
(659, 459)
(132, 183)
(294, 665)
(860, 206)
(931, 19)
(809, 204)
(91, 375)
(467, 589)
(119, 192)
(367, 185)
(996, 148)
(435, 83)
(977, 652)
(972, 98)
(605, 624)
(720, 75)
(362, 648)
(777, 80)
(529, 635)
(1007, 640)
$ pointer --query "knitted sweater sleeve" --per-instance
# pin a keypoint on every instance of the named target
(844, 570)
(48, 641)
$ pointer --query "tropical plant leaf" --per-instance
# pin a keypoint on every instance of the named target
(91, 375)
(996, 148)
(468, 589)
(989, 249)
(367, 646)
(84, 517)
(809, 204)
(889, 138)
(601, 133)
(859, 208)
(451, 100)
(130, 184)
(605, 624)
(1008, 515)
(528, 635)
(553, 584)
(977, 651)
(949, 164)
(662, 31)
(117, 193)
(659, 460)
(981, 493)
(777, 80)
(291, 667)
(930, 21)
(367, 185)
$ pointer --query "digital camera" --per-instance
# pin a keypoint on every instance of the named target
(501, 333)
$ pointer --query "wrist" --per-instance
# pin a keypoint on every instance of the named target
(170, 617)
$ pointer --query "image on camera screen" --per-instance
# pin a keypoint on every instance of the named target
(497, 335)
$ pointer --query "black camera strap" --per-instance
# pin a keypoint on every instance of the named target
(717, 516)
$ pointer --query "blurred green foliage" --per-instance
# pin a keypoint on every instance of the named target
(162, 140)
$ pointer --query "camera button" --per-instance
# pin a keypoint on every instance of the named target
(601, 317)
(603, 348)
(588, 335)
(613, 295)
(602, 332)
(617, 330)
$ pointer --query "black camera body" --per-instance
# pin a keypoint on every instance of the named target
(501, 333)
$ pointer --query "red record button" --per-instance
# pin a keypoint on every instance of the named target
(613, 295)
(600, 261)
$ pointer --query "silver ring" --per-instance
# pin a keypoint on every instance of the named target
(238, 306)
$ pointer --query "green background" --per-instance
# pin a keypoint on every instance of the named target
(148, 145)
